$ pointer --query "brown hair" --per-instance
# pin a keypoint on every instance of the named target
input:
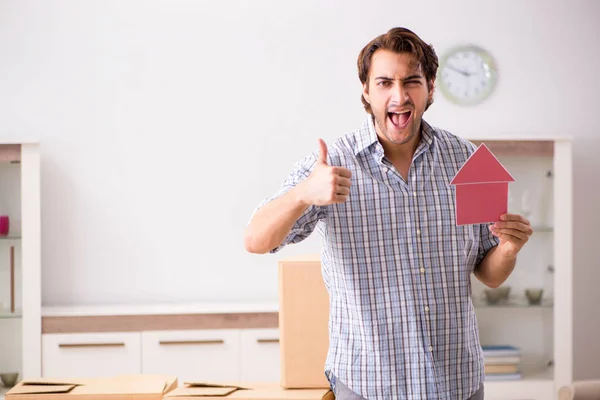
(399, 40)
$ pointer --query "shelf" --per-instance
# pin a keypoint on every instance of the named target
(99, 310)
(544, 148)
(6, 314)
(10, 153)
(538, 385)
(538, 229)
(513, 303)
(10, 237)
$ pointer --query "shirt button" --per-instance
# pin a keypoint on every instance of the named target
(385, 169)
(414, 194)
(418, 231)
(422, 270)
(426, 308)
(430, 348)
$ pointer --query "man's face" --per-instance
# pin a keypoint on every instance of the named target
(398, 94)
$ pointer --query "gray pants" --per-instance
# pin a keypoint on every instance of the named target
(342, 392)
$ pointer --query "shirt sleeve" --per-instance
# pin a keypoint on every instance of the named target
(486, 242)
(307, 222)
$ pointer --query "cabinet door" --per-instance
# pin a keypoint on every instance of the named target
(82, 355)
(259, 355)
(207, 355)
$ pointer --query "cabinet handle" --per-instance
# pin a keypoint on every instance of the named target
(267, 340)
(172, 342)
(75, 345)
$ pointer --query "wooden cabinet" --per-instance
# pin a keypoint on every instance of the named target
(248, 355)
(83, 355)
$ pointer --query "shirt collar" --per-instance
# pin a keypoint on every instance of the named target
(427, 135)
(367, 137)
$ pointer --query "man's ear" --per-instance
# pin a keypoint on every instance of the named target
(431, 88)
(366, 92)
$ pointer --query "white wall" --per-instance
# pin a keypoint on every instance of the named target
(163, 123)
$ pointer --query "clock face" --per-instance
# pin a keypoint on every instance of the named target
(467, 75)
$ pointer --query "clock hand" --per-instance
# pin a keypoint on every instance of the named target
(464, 73)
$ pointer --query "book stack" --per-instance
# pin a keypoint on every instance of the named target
(501, 363)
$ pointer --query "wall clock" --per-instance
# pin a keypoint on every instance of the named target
(467, 75)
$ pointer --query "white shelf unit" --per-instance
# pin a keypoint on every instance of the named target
(543, 333)
(20, 330)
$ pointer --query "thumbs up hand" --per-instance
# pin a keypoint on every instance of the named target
(326, 184)
(322, 152)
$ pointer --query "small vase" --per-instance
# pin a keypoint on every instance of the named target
(4, 225)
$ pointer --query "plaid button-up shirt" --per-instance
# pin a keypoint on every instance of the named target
(398, 270)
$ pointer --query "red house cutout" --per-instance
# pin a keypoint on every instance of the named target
(481, 188)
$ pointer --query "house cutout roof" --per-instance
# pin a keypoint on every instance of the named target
(481, 167)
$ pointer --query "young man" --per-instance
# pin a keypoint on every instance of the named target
(402, 324)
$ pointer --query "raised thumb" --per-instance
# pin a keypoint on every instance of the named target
(322, 152)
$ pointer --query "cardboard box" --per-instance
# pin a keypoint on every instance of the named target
(271, 391)
(130, 387)
(303, 323)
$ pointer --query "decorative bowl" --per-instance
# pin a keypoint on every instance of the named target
(9, 379)
(534, 296)
(493, 296)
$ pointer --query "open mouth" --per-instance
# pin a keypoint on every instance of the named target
(400, 119)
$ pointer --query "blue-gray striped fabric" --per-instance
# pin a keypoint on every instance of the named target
(398, 270)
